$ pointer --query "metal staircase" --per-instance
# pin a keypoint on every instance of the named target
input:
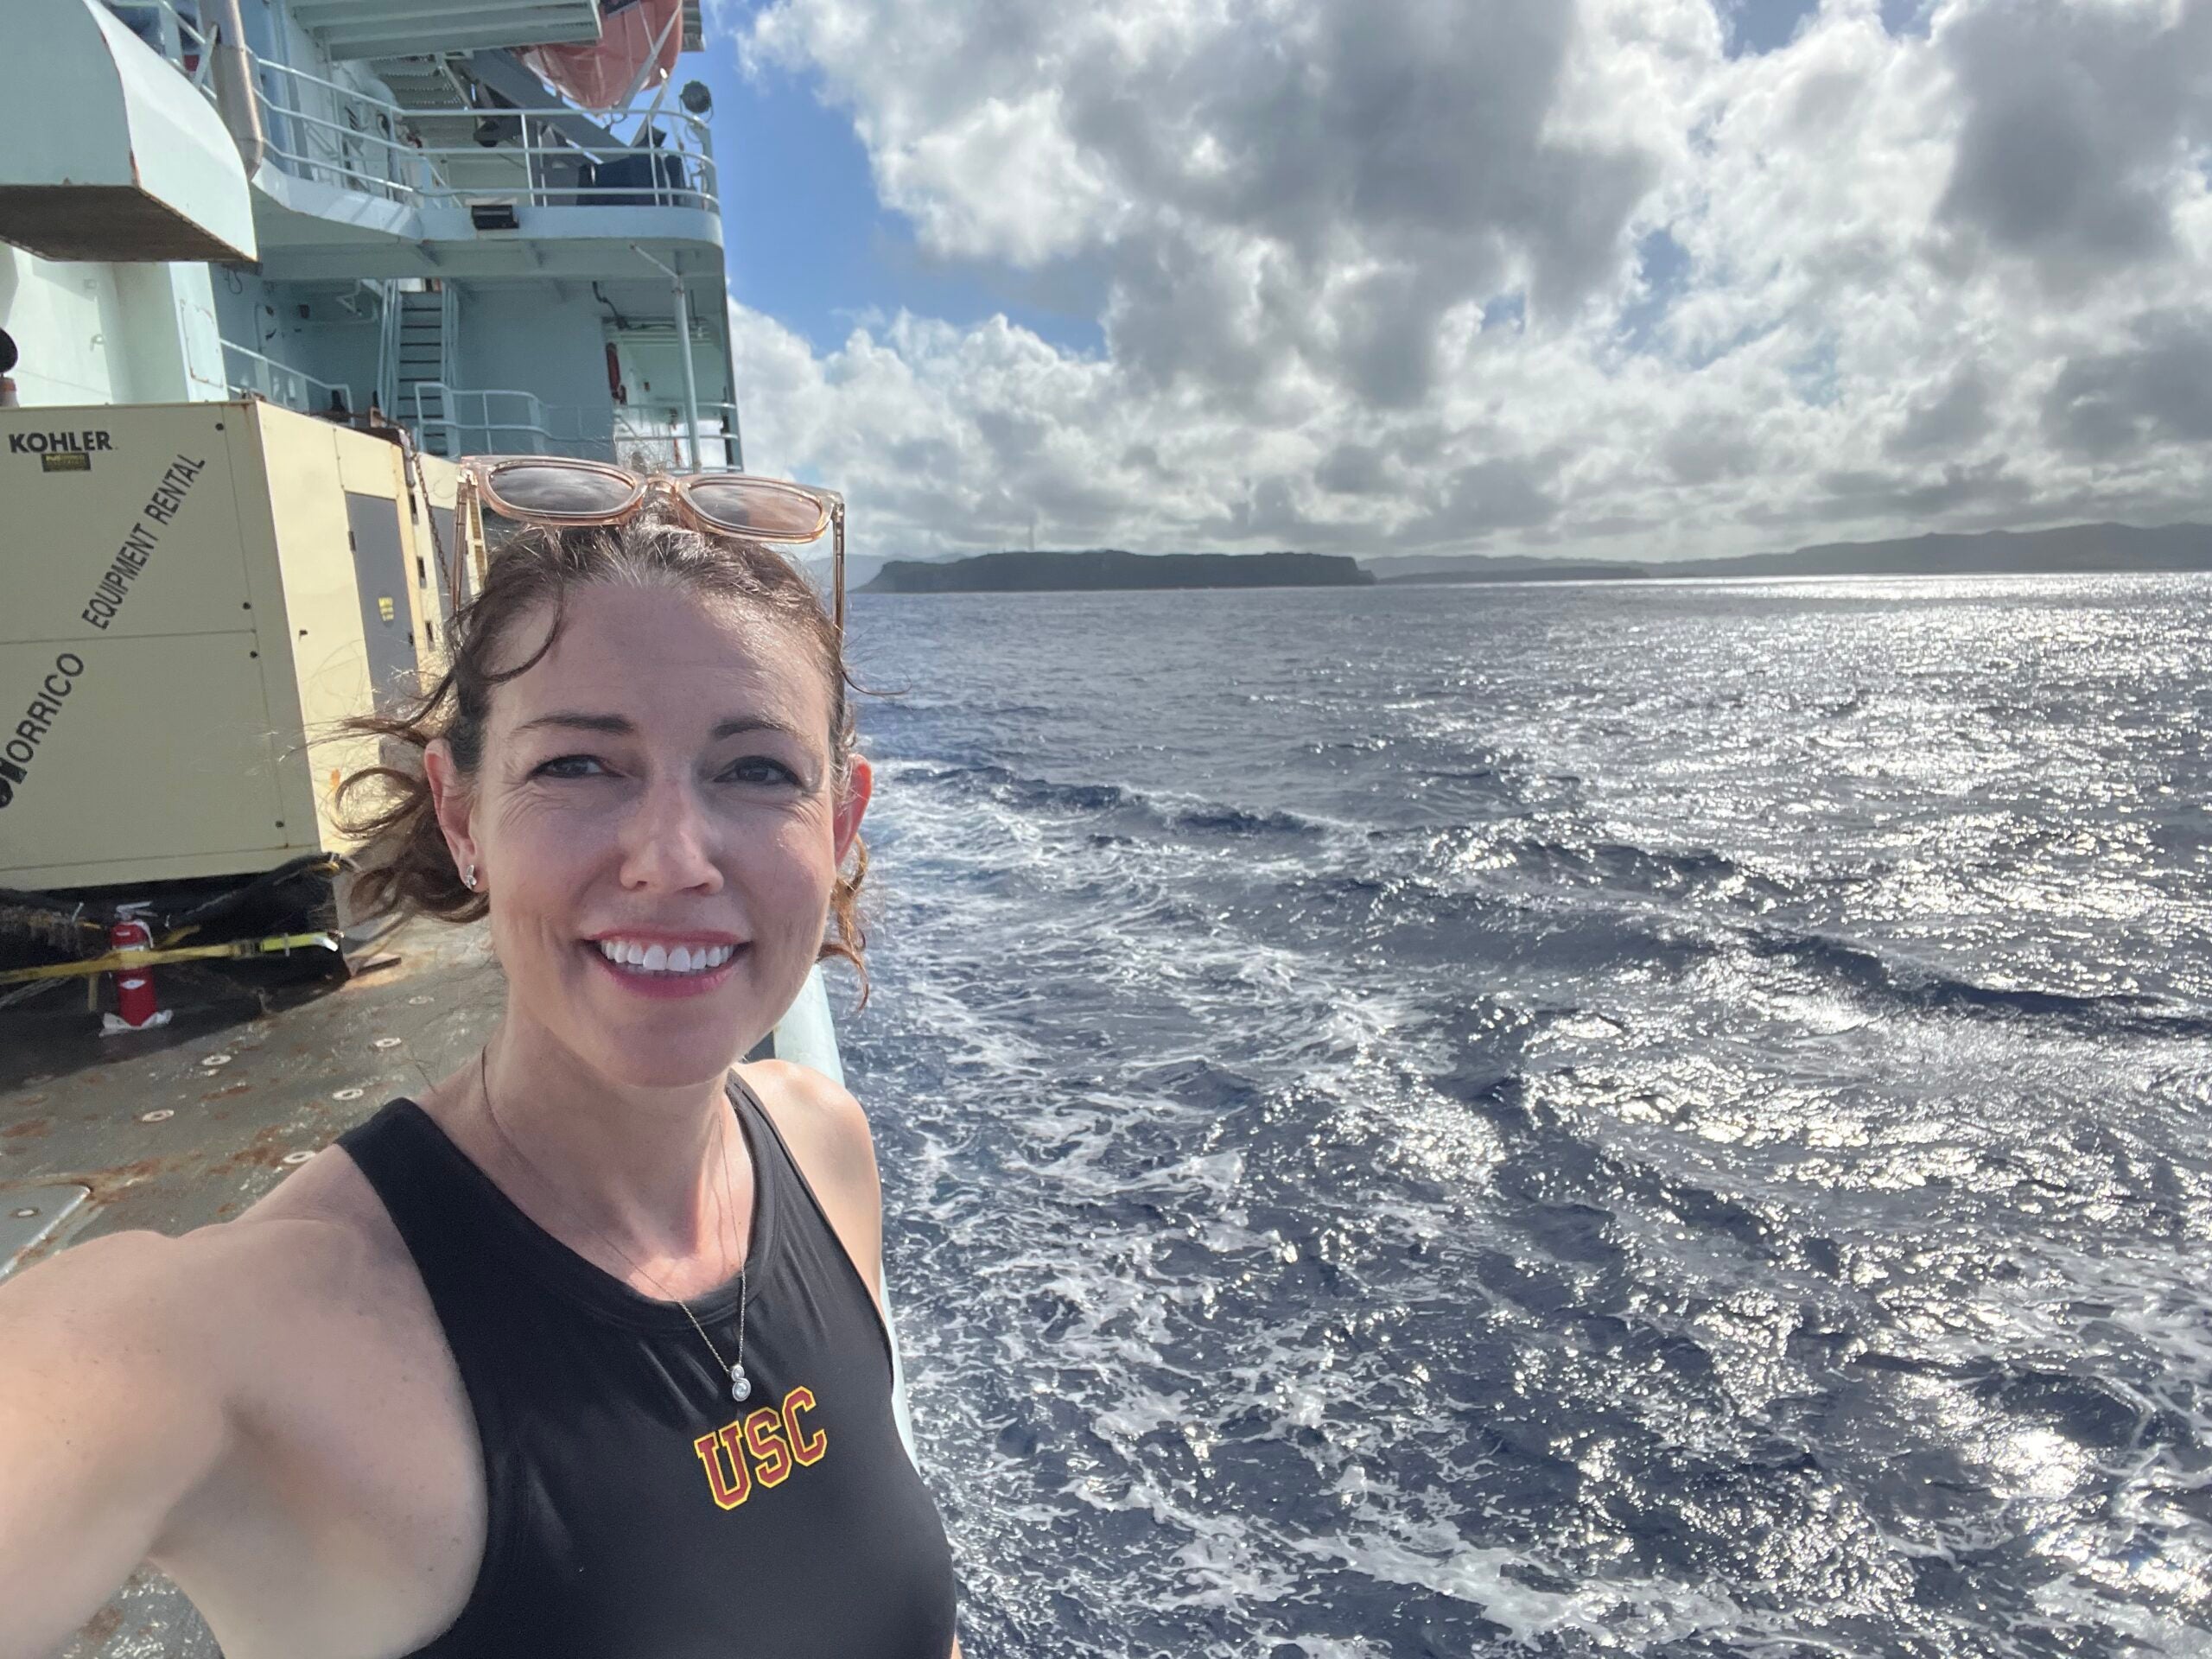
(421, 342)
(424, 84)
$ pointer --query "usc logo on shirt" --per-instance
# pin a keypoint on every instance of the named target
(775, 1441)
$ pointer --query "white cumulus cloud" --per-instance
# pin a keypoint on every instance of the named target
(1432, 275)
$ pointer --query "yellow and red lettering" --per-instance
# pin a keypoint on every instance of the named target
(806, 1451)
(760, 1448)
(728, 1493)
(764, 1438)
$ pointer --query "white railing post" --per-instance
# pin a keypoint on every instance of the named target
(449, 331)
(387, 391)
(682, 304)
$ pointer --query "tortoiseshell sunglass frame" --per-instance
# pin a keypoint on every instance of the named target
(480, 484)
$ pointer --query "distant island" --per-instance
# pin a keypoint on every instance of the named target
(2077, 549)
(1100, 568)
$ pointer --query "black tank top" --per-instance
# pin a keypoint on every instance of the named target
(636, 1511)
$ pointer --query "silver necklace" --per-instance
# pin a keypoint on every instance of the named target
(740, 1386)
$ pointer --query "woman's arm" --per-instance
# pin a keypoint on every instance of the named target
(113, 1409)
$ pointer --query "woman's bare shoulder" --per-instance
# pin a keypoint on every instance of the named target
(823, 1113)
(322, 1229)
(221, 1306)
(322, 1222)
(320, 1240)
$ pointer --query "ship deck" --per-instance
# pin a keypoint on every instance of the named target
(249, 1079)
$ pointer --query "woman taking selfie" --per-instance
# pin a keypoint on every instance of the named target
(582, 1352)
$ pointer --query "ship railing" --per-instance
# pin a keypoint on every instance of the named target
(332, 134)
(175, 36)
(506, 421)
(502, 421)
(643, 442)
(250, 374)
(340, 135)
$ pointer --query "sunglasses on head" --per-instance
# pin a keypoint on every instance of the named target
(558, 490)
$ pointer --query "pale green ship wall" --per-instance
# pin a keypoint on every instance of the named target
(331, 343)
(100, 334)
(521, 336)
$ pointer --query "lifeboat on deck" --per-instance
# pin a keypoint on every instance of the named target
(635, 53)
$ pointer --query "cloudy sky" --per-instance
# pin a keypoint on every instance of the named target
(1631, 278)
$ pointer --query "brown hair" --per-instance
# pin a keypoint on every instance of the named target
(405, 866)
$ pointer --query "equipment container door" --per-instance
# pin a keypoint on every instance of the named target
(380, 571)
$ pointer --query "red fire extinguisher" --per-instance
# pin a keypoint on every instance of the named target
(135, 1007)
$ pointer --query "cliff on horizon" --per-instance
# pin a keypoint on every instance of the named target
(1105, 568)
(2074, 548)
(2081, 548)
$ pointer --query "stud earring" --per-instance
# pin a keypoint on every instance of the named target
(468, 877)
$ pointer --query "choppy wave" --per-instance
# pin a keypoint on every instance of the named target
(1632, 1122)
(1159, 814)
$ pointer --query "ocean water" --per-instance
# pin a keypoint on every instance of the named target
(1670, 1119)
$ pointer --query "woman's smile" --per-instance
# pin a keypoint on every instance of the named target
(653, 963)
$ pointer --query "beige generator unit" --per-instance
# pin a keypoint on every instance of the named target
(188, 593)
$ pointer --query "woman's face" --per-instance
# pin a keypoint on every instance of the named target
(657, 828)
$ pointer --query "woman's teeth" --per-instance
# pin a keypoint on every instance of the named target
(666, 959)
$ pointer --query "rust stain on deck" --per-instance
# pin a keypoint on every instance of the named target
(266, 1151)
(108, 1184)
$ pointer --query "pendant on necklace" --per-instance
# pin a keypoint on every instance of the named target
(740, 1384)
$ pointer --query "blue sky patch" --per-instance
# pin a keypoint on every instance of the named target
(809, 244)
(1759, 26)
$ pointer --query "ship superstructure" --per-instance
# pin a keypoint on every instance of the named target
(428, 229)
(311, 250)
